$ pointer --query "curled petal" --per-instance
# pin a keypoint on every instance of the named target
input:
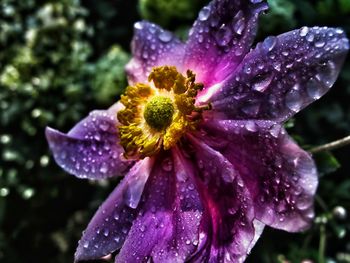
(221, 37)
(280, 176)
(227, 231)
(91, 149)
(110, 225)
(283, 75)
(258, 230)
(152, 46)
(166, 228)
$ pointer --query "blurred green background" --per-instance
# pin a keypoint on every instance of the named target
(61, 59)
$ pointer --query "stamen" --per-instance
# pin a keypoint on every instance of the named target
(157, 116)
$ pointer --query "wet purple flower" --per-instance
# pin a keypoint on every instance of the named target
(199, 136)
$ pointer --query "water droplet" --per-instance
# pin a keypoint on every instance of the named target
(138, 25)
(327, 73)
(310, 37)
(269, 43)
(303, 31)
(191, 186)
(223, 35)
(251, 126)
(104, 168)
(239, 26)
(320, 43)
(200, 38)
(165, 36)
(314, 89)
(204, 14)
(86, 244)
(251, 109)
(106, 232)
(145, 55)
(262, 82)
(116, 216)
(275, 130)
(247, 69)
(339, 31)
(293, 100)
(104, 126)
(143, 228)
(167, 164)
(188, 242)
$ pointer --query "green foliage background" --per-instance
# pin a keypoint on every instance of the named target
(61, 59)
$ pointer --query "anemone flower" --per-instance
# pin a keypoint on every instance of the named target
(199, 138)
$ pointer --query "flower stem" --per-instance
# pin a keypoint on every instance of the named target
(322, 245)
(332, 145)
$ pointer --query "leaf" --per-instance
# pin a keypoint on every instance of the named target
(326, 163)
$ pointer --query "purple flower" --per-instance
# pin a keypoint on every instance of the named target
(199, 137)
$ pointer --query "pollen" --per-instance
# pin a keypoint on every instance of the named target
(158, 113)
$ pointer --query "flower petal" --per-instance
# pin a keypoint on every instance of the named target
(152, 46)
(110, 225)
(221, 37)
(166, 228)
(283, 75)
(230, 230)
(91, 149)
(281, 177)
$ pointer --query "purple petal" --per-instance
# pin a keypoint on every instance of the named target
(91, 149)
(221, 37)
(110, 225)
(281, 177)
(227, 235)
(283, 75)
(166, 228)
(152, 46)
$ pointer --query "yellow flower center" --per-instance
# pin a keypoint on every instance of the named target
(159, 113)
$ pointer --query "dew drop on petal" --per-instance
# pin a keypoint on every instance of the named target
(251, 126)
(293, 100)
(116, 216)
(165, 36)
(104, 168)
(262, 82)
(327, 74)
(104, 126)
(310, 37)
(269, 43)
(303, 31)
(313, 89)
(204, 14)
(143, 228)
(251, 109)
(277, 66)
(223, 36)
(138, 25)
(167, 165)
(320, 43)
(239, 26)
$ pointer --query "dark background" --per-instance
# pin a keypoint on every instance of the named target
(61, 59)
